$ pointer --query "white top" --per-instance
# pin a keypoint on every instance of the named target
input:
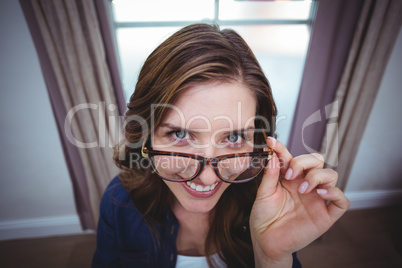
(198, 261)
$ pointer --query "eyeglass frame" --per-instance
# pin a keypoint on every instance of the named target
(205, 161)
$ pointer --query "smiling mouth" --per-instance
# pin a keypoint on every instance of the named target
(200, 188)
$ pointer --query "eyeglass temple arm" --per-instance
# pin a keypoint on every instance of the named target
(144, 150)
(269, 148)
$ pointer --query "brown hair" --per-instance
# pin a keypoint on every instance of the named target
(198, 53)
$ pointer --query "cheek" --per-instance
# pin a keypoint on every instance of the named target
(177, 189)
(224, 186)
(172, 185)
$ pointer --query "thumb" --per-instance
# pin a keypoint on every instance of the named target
(270, 178)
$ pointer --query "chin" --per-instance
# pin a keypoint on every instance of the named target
(199, 206)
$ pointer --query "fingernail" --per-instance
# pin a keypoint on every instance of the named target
(303, 187)
(322, 191)
(273, 141)
(288, 173)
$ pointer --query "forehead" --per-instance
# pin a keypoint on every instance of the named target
(217, 104)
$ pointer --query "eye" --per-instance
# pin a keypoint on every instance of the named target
(235, 137)
(181, 135)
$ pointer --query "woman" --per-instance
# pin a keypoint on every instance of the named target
(199, 177)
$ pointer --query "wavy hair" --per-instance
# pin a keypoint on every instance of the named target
(198, 53)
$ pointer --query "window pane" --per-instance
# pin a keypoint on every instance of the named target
(281, 51)
(162, 10)
(264, 10)
(135, 45)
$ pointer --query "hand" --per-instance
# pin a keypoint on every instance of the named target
(291, 212)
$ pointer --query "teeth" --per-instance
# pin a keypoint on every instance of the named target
(199, 188)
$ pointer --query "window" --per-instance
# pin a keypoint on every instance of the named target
(277, 31)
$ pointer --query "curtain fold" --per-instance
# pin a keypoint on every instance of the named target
(331, 37)
(68, 39)
(104, 17)
(378, 28)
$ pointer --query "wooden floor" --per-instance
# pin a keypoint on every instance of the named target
(362, 238)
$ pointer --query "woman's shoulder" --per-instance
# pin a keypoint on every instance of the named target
(116, 195)
(117, 209)
(121, 232)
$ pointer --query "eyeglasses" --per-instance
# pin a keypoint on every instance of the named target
(231, 168)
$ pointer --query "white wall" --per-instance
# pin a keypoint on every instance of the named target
(376, 176)
(36, 195)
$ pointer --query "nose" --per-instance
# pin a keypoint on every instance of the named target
(208, 175)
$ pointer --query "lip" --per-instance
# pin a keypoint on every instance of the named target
(197, 194)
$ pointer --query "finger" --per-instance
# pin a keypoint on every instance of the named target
(303, 163)
(282, 152)
(270, 179)
(323, 178)
(338, 202)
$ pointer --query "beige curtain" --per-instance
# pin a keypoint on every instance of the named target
(377, 30)
(72, 38)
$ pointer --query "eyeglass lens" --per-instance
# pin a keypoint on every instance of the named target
(178, 168)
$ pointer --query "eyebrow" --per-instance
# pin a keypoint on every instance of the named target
(171, 126)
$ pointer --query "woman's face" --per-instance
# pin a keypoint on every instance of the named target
(209, 120)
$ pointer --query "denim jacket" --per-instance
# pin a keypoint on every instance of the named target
(124, 240)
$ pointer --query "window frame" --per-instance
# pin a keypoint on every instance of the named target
(216, 21)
